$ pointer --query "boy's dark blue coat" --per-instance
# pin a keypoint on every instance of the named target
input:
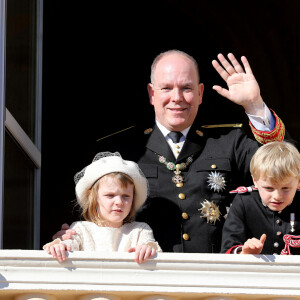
(249, 218)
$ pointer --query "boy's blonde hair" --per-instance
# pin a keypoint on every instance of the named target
(89, 209)
(276, 161)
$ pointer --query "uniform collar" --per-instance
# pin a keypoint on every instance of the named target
(157, 143)
(166, 131)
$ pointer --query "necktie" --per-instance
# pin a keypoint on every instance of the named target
(175, 136)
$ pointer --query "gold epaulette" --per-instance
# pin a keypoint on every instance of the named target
(277, 134)
(148, 131)
(237, 125)
(114, 133)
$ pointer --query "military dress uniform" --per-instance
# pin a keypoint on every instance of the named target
(187, 204)
(249, 217)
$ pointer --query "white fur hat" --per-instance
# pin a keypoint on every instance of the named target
(105, 163)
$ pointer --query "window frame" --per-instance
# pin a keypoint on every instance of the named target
(2, 108)
(8, 122)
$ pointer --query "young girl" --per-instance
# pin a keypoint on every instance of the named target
(109, 191)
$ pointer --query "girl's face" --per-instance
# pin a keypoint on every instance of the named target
(114, 201)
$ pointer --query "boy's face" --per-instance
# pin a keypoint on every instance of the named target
(114, 201)
(277, 196)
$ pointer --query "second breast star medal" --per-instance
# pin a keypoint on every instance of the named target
(210, 211)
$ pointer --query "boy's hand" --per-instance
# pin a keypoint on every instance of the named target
(254, 246)
(142, 253)
(58, 251)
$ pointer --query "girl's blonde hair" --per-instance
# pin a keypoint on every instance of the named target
(276, 161)
(89, 208)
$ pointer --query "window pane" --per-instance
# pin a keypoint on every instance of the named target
(20, 63)
(18, 197)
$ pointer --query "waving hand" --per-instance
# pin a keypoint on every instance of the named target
(243, 88)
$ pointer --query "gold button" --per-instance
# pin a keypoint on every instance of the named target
(213, 166)
(180, 184)
(278, 233)
(177, 152)
(185, 236)
(177, 147)
(181, 196)
(185, 215)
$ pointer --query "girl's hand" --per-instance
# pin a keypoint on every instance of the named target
(142, 253)
(58, 251)
(65, 233)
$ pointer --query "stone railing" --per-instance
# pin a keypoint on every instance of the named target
(93, 275)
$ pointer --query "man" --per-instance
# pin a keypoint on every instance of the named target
(190, 178)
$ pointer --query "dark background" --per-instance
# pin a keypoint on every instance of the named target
(97, 59)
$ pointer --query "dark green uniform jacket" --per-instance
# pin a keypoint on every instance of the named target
(188, 218)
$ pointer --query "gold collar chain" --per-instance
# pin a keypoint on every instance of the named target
(177, 168)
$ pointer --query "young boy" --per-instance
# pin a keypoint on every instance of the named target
(266, 219)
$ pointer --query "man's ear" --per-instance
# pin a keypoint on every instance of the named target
(201, 90)
(150, 92)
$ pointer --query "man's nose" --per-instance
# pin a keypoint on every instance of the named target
(177, 95)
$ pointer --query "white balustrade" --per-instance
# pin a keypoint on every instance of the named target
(35, 275)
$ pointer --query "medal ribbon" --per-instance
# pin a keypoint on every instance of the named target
(290, 241)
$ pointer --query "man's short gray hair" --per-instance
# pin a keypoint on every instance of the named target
(174, 51)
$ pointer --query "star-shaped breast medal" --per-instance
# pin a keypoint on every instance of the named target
(216, 181)
(210, 211)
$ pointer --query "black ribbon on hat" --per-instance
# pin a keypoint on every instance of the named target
(175, 136)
